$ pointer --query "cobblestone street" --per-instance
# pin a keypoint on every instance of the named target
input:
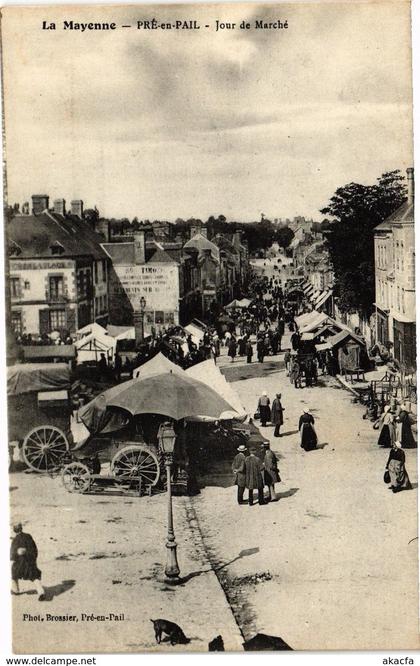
(333, 560)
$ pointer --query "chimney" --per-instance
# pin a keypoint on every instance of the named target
(203, 231)
(60, 206)
(410, 184)
(77, 208)
(39, 203)
(237, 240)
(102, 227)
(139, 248)
(193, 231)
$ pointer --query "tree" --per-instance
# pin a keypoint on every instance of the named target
(284, 236)
(355, 211)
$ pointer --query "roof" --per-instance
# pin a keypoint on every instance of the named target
(208, 373)
(323, 297)
(403, 214)
(33, 377)
(156, 366)
(49, 351)
(94, 327)
(95, 341)
(342, 337)
(201, 243)
(123, 253)
(161, 257)
(34, 235)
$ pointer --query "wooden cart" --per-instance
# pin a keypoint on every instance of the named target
(40, 413)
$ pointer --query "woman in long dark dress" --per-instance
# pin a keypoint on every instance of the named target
(396, 468)
(264, 408)
(308, 437)
(403, 430)
(23, 555)
(387, 428)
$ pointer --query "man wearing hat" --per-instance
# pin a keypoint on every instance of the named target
(271, 472)
(23, 554)
(238, 468)
(277, 414)
(253, 477)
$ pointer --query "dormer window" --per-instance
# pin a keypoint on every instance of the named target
(56, 248)
(14, 249)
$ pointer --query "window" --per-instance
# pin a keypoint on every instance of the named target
(56, 248)
(27, 284)
(169, 318)
(397, 256)
(95, 268)
(16, 322)
(57, 319)
(15, 287)
(403, 300)
(104, 270)
(159, 318)
(81, 283)
(56, 283)
(402, 256)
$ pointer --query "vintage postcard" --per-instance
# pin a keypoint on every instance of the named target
(210, 312)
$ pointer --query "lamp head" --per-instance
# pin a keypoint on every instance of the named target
(167, 437)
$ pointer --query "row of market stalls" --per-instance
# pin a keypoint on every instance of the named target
(320, 299)
(331, 336)
(93, 340)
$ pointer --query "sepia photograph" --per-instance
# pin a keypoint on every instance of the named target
(210, 315)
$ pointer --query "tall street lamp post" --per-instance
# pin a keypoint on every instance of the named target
(139, 321)
(167, 439)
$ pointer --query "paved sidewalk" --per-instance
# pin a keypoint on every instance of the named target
(105, 554)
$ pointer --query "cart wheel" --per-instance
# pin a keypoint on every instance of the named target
(43, 448)
(136, 462)
(76, 477)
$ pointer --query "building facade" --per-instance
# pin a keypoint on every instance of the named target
(395, 314)
(58, 270)
(144, 281)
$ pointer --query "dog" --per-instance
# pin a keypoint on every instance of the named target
(172, 630)
(217, 645)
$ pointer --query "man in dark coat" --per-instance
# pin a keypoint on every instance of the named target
(261, 350)
(249, 352)
(238, 468)
(253, 477)
(271, 472)
(277, 414)
(232, 349)
(23, 554)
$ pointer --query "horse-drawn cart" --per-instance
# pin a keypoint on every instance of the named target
(103, 462)
(39, 413)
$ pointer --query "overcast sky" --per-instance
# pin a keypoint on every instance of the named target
(180, 124)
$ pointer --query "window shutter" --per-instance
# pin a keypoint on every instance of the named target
(44, 321)
(71, 320)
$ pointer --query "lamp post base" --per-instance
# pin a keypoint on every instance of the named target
(172, 567)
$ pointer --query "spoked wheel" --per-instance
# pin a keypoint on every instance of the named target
(43, 448)
(136, 462)
(76, 477)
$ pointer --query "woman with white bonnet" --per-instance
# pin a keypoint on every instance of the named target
(308, 437)
(387, 428)
(396, 467)
(264, 408)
